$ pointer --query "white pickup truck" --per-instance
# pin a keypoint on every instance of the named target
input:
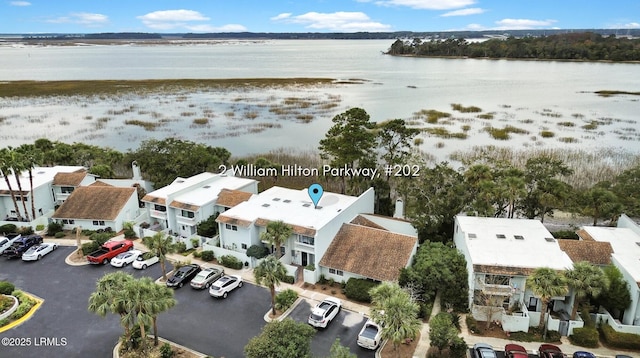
(370, 335)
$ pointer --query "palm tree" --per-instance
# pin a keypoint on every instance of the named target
(161, 245)
(160, 299)
(31, 157)
(585, 279)
(277, 234)
(5, 168)
(16, 160)
(270, 272)
(546, 283)
(107, 297)
(393, 305)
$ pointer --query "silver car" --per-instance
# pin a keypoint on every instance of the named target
(206, 277)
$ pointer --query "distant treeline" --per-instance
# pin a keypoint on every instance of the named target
(327, 35)
(570, 46)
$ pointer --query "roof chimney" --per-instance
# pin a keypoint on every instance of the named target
(399, 212)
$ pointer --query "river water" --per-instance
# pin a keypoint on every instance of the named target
(532, 96)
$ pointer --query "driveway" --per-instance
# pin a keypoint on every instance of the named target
(214, 327)
(345, 326)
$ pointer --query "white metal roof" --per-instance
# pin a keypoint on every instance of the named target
(41, 176)
(625, 243)
(199, 189)
(512, 243)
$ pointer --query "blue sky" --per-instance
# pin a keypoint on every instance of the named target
(87, 16)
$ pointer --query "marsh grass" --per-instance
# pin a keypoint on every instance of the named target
(442, 132)
(607, 93)
(430, 115)
(489, 115)
(503, 133)
(568, 140)
(148, 126)
(106, 88)
(547, 134)
(593, 125)
(460, 108)
(566, 124)
(201, 121)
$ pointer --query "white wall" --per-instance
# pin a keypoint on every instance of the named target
(461, 245)
(632, 313)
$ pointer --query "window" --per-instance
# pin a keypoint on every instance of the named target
(244, 246)
(497, 280)
(188, 214)
(69, 221)
(332, 270)
(160, 208)
(230, 227)
(98, 222)
(339, 273)
(67, 189)
(308, 240)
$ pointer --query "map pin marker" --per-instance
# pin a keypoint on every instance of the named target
(315, 193)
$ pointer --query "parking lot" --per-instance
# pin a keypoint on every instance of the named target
(217, 327)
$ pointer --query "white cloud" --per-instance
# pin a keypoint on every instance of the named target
(171, 19)
(20, 3)
(464, 12)
(337, 21)
(523, 24)
(284, 15)
(428, 4)
(82, 18)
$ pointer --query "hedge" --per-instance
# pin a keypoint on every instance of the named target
(585, 337)
(619, 339)
(207, 255)
(230, 262)
(285, 299)
(289, 279)
(6, 287)
(358, 289)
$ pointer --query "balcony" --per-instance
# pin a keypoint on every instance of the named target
(304, 247)
(186, 220)
(158, 214)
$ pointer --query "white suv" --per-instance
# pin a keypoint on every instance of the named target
(325, 312)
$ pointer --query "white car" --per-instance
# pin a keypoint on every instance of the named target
(325, 312)
(36, 252)
(224, 285)
(370, 335)
(145, 260)
(125, 258)
(6, 241)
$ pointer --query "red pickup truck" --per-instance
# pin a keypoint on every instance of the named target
(109, 250)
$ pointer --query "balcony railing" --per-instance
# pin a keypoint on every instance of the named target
(158, 214)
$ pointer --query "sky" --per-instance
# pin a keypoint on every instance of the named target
(179, 16)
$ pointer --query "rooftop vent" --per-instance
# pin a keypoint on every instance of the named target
(550, 239)
(501, 236)
(276, 199)
(637, 243)
(472, 236)
(286, 201)
(265, 205)
(40, 172)
(180, 181)
(306, 205)
(207, 186)
(518, 237)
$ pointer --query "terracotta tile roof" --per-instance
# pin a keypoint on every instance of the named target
(297, 229)
(369, 252)
(94, 202)
(231, 198)
(595, 252)
(185, 206)
(232, 221)
(584, 235)
(361, 220)
(154, 199)
(69, 179)
(503, 270)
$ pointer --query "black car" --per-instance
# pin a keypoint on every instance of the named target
(183, 275)
(21, 245)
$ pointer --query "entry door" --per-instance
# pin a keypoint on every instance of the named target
(305, 259)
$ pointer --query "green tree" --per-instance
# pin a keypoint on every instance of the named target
(546, 283)
(18, 164)
(599, 203)
(340, 351)
(155, 300)
(208, 227)
(542, 176)
(442, 332)
(627, 188)
(395, 139)
(161, 245)
(107, 298)
(102, 170)
(270, 272)
(277, 234)
(281, 339)
(350, 142)
(616, 297)
(32, 157)
(585, 279)
(394, 306)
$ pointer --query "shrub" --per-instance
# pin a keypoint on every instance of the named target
(60, 234)
(5, 303)
(472, 324)
(619, 339)
(166, 351)
(310, 267)
(130, 234)
(6, 287)
(26, 230)
(358, 289)
(197, 254)
(39, 227)
(285, 299)
(181, 247)
(53, 228)
(4, 322)
(208, 255)
(289, 279)
(230, 262)
(7, 228)
(100, 238)
(257, 251)
(584, 337)
(195, 243)
(89, 247)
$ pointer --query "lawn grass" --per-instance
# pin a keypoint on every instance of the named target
(117, 87)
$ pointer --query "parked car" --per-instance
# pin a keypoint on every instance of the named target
(370, 335)
(206, 277)
(324, 312)
(6, 241)
(483, 350)
(125, 258)
(21, 245)
(583, 354)
(515, 351)
(623, 356)
(109, 250)
(183, 275)
(550, 351)
(145, 260)
(36, 252)
(224, 285)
